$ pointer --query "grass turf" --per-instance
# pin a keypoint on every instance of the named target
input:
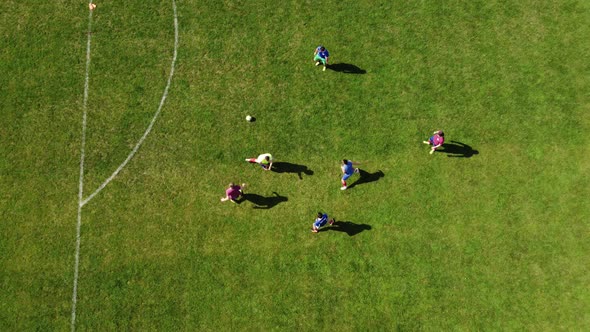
(494, 241)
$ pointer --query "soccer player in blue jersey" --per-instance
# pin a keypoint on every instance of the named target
(321, 221)
(348, 170)
(321, 55)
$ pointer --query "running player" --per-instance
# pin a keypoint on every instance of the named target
(348, 170)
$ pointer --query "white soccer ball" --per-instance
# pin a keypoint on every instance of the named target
(248, 118)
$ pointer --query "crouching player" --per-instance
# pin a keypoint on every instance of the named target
(321, 56)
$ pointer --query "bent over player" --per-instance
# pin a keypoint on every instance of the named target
(320, 221)
(321, 55)
(264, 160)
(436, 140)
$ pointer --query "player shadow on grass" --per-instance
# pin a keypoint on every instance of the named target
(347, 227)
(366, 177)
(283, 167)
(458, 149)
(346, 68)
(262, 202)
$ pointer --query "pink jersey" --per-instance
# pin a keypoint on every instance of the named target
(438, 140)
(233, 192)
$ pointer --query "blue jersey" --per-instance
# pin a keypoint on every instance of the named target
(323, 54)
(348, 168)
(321, 221)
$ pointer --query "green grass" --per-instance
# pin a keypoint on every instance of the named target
(498, 241)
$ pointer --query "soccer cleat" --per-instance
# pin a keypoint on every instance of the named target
(317, 63)
(331, 222)
(356, 170)
(343, 188)
(324, 68)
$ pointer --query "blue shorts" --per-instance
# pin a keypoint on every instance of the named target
(320, 223)
(346, 176)
(431, 140)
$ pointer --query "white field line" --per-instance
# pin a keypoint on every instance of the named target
(81, 201)
(149, 128)
(81, 181)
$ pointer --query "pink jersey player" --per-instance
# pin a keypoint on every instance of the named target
(436, 140)
(233, 192)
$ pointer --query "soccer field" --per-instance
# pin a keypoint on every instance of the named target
(122, 127)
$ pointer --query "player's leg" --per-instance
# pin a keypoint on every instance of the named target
(430, 141)
(344, 178)
(325, 63)
(317, 59)
(315, 227)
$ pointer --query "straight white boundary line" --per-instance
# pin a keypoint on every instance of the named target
(81, 180)
(149, 128)
(81, 201)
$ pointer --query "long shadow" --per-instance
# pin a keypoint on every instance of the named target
(283, 167)
(458, 150)
(347, 227)
(366, 177)
(346, 68)
(262, 202)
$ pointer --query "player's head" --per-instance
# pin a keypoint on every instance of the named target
(440, 133)
(344, 161)
(320, 214)
(267, 158)
(231, 184)
(322, 48)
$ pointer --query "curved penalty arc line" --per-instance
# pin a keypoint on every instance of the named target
(154, 118)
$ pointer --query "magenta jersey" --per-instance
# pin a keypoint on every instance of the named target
(438, 140)
(233, 192)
